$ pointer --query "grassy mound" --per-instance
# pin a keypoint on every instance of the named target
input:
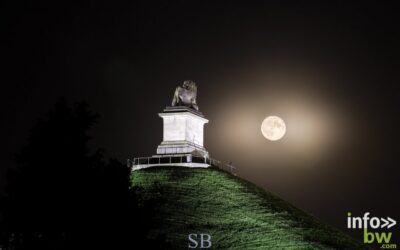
(236, 213)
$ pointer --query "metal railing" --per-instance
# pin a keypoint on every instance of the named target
(166, 160)
(158, 160)
(227, 167)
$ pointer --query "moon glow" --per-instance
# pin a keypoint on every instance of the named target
(273, 128)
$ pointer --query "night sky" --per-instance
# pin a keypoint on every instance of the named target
(329, 70)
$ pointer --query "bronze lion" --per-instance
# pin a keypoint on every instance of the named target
(186, 95)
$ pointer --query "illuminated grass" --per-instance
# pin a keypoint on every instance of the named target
(236, 213)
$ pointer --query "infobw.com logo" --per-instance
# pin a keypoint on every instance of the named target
(376, 229)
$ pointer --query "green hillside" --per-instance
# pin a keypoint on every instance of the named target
(236, 213)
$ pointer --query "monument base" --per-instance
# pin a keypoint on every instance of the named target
(181, 147)
(182, 131)
(182, 143)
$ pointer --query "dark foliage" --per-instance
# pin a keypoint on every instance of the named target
(62, 196)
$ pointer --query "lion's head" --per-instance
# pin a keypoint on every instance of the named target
(190, 85)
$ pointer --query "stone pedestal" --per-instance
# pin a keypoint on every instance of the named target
(182, 132)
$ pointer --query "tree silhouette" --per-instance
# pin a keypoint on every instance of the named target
(63, 196)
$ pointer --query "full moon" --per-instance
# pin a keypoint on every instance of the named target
(273, 128)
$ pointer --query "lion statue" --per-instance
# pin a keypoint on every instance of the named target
(186, 95)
